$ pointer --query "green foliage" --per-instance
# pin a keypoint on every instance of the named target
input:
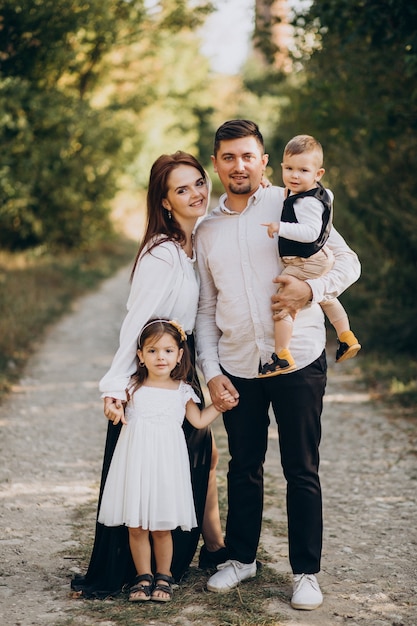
(357, 93)
(172, 104)
(56, 170)
(35, 38)
(58, 163)
(71, 101)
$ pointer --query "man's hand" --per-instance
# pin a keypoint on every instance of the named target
(114, 410)
(293, 294)
(223, 394)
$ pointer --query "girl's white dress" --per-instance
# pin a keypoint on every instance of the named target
(149, 480)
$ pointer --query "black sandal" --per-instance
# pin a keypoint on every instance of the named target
(164, 588)
(138, 587)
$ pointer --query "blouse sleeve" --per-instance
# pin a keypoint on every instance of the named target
(189, 393)
(151, 291)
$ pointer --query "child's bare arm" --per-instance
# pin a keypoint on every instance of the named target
(202, 418)
(273, 228)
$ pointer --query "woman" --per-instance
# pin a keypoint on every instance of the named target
(163, 285)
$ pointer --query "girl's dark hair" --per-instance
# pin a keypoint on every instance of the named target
(236, 129)
(158, 220)
(154, 329)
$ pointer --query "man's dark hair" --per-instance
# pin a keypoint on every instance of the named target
(235, 129)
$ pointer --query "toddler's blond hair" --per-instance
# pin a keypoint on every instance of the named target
(304, 143)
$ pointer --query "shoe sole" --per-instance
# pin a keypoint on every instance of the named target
(217, 590)
(290, 368)
(350, 353)
(306, 607)
(228, 589)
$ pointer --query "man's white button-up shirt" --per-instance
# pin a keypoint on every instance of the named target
(237, 263)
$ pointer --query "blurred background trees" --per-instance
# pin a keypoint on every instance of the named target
(77, 82)
(91, 93)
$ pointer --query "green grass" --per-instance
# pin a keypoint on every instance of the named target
(392, 380)
(254, 603)
(248, 605)
(36, 288)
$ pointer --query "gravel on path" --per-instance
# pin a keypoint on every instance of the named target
(52, 434)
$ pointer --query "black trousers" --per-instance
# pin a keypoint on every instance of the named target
(297, 402)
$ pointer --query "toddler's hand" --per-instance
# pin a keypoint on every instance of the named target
(265, 182)
(273, 227)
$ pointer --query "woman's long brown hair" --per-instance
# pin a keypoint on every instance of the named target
(158, 220)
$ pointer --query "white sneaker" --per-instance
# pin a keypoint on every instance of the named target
(230, 574)
(306, 593)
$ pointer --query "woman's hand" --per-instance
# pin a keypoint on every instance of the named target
(114, 410)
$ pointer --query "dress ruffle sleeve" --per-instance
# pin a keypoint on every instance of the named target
(188, 393)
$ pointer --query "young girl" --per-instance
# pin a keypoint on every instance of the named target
(148, 487)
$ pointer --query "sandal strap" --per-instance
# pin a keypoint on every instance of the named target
(168, 579)
(137, 586)
(164, 588)
(143, 577)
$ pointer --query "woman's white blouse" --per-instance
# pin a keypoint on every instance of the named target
(164, 285)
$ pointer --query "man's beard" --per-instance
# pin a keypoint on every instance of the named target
(240, 189)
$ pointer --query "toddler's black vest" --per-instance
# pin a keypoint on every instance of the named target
(287, 247)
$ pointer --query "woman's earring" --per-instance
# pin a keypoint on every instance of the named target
(141, 364)
(166, 209)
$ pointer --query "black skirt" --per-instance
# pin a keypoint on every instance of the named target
(111, 565)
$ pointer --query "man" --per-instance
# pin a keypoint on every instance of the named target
(238, 265)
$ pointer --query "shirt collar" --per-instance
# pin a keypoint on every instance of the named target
(253, 200)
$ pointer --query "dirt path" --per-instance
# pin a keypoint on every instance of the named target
(51, 442)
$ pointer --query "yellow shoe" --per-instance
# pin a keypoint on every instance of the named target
(279, 363)
(348, 346)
